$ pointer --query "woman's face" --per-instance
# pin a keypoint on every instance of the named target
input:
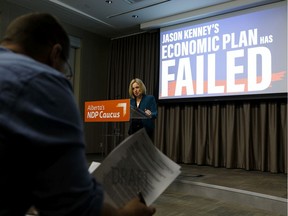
(136, 89)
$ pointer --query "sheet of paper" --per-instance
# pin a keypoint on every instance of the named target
(93, 166)
(135, 165)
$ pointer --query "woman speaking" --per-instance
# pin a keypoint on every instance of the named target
(146, 104)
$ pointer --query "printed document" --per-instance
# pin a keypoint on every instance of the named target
(135, 165)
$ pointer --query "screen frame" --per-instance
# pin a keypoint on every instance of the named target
(224, 98)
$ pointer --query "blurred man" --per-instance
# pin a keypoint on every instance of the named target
(42, 152)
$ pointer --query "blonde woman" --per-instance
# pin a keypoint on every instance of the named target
(146, 103)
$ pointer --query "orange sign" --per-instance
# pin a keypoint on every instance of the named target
(107, 111)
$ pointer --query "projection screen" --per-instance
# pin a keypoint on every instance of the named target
(231, 56)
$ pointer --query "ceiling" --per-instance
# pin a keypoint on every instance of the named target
(117, 19)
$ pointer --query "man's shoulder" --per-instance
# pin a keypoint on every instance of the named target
(22, 67)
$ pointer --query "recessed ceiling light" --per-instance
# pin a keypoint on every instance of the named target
(135, 16)
(108, 2)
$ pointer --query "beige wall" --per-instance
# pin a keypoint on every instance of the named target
(93, 70)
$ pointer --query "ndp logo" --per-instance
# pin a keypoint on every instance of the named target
(107, 111)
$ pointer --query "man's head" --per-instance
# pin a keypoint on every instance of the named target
(39, 36)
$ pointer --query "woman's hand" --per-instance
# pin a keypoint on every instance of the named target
(148, 112)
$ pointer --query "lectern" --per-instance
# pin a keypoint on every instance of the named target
(112, 111)
(136, 113)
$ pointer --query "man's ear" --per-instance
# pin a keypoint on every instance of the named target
(55, 56)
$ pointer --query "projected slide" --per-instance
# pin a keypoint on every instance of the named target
(244, 54)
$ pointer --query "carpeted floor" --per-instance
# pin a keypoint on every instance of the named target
(209, 191)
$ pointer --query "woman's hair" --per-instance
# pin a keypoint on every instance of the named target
(141, 85)
(36, 33)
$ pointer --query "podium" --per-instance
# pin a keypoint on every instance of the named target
(112, 111)
(136, 113)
